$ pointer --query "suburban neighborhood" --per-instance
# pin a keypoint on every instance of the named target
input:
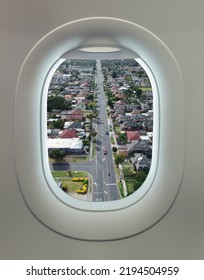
(100, 114)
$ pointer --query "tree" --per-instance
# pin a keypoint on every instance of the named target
(122, 138)
(141, 176)
(114, 75)
(93, 133)
(95, 114)
(57, 103)
(90, 96)
(139, 179)
(115, 149)
(58, 124)
(90, 116)
(57, 154)
(119, 159)
(136, 184)
(69, 172)
(110, 103)
(91, 106)
(109, 93)
(139, 92)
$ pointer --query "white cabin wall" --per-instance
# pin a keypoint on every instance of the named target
(180, 25)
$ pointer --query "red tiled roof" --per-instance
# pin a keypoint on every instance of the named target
(133, 135)
(77, 112)
(68, 134)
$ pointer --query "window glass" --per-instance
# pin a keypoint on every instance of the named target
(100, 128)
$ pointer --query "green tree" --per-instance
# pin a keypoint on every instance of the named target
(139, 92)
(93, 133)
(122, 138)
(57, 154)
(141, 176)
(91, 106)
(110, 103)
(114, 149)
(58, 124)
(136, 184)
(109, 93)
(57, 103)
(114, 75)
(119, 159)
(69, 172)
(90, 96)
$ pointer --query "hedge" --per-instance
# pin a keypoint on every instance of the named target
(78, 179)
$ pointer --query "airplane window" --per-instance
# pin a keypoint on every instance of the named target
(57, 96)
(100, 127)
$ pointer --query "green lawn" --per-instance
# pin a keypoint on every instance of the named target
(145, 88)
(78, 159)
(112, 140)
(120, 186)
(67, 180)
(59, 173)
(133, 179)
(117, 129)
(130, 185)
(128, 170)
(80, 174)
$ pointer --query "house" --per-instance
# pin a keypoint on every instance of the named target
(84, 84)
(142, 164)
(78, 126)
(123, 118)
(136, 111)
(134, 158)
(119, 95)
(120, 110)
(141, 147)
(131, 107)
(69, 146)
(54, 133)
(139, 117)
(149, 125)
(83, 94)
(133, 135)
(66, 133)
(144, 107)
(72, 115)
(132, 125)
(68, 97)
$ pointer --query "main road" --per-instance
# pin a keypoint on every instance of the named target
(101, 168)
(105, 186)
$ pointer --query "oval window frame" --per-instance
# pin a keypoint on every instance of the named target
(104, 220)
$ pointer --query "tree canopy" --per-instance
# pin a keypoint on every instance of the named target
(119, 159)
(57, 103)
(57, 154)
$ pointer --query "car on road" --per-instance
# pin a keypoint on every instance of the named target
(107, 132)
(104, 151)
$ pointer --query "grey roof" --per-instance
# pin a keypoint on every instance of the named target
(142, 163)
